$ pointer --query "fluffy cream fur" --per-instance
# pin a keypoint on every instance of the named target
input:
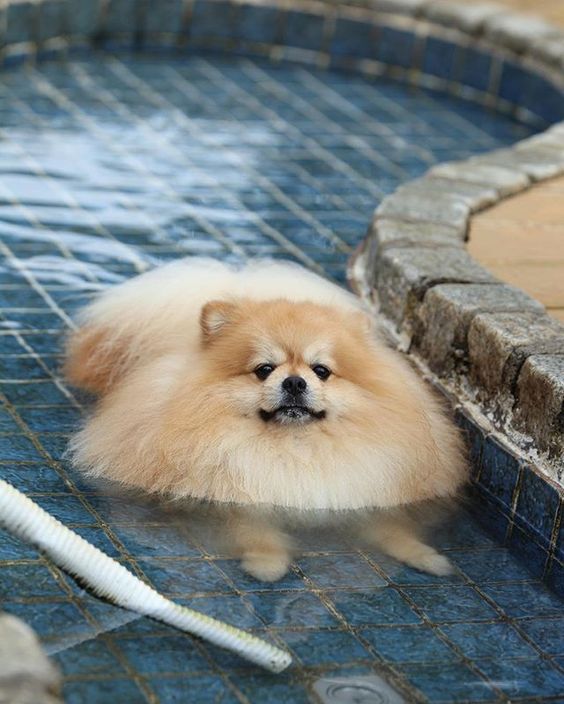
(173, 354)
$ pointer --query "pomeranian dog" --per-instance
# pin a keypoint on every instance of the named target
(255, 387)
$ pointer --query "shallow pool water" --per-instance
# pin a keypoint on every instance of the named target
(109, 166)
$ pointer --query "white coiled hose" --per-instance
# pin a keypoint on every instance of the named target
(109, 579)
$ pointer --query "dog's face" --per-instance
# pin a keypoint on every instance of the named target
(287, 364)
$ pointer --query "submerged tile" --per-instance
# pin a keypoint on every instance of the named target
(125, 690)
(377, 607)
(163, 654)
(52, 620)
(291, 609)
(210, 689)
(406, 644)
(176, 576)
(66, 508)
(246, 582)
(496, 565)
(444, 604)
(12, 548)
(523, 678)
(18, 447)
(336, 571)
(326, 647)
(156, 540)
(546, 633)
(272, 689)
(537, 505)
(226, 607)
(34, 478)
(446, 683)
(526, 599)
(91, 657)
(28, 580)
(487, 640)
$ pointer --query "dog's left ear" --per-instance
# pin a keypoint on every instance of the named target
(215, 316)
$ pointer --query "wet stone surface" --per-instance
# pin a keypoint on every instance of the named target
(405, 275)
(111, 166)
(540, 390)
(499, 343)
(448, 310)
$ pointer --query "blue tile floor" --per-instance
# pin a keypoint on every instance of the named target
(109, 166)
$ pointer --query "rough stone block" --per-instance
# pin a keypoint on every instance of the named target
(447, 313)
(540, 161)
(474, 195)
(398, 7)
(404, 275)
(398, 233)
(536, 163)
(549, 51)
(418, 207)
(540, 405)
(549, 143)
(386, 233)
(467, 17)
(557, 129)
(504, 181)
(517, 32)
(499, 343)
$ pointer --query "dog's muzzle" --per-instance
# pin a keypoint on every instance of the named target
(291, 413)
(294, 407)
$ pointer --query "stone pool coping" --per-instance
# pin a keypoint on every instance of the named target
(491, 349)
(473, 334)
(493, 343)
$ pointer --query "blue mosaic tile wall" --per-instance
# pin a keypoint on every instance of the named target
(348, 34)
(518, 507)
(109, 166)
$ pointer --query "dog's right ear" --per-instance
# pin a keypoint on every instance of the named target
(215, 317)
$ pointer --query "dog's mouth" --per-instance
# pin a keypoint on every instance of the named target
(291, 414)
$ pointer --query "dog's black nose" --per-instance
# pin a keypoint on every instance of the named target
(294, 385)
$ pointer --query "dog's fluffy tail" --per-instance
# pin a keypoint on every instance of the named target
(96, 357)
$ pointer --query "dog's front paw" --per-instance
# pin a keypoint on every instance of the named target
(267, 567)
(432, 562)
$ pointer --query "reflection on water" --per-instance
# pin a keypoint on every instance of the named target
(158, 527)
(108, 166)
(161, 525)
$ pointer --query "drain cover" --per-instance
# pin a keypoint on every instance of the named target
(356, 690)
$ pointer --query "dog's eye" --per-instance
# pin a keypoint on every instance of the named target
(264, 370)
(321, 371)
